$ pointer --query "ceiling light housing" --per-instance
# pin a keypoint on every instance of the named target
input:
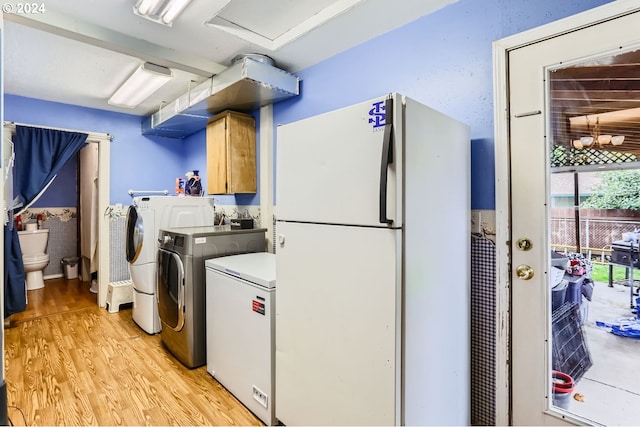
(140, 85)
(617, 140)
(587, 141)
(160, 11)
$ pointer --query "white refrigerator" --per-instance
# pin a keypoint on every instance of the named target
(372, 266)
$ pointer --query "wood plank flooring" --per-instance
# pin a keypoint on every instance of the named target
(58, 296)
(86, 366)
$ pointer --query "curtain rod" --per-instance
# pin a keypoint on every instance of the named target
(92, 136)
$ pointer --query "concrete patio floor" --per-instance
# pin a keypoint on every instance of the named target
(611, 387)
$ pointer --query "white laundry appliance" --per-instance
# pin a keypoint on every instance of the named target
(373, 255)
(145, 217)
(240, 318)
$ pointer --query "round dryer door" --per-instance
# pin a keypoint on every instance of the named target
(170, 291)
(135, 234)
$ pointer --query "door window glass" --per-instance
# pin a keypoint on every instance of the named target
(594, 234)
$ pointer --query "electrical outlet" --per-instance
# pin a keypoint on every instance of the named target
(259, 396)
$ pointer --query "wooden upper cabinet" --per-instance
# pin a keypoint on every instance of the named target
(231, 153)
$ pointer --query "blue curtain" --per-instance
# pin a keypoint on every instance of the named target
(14, 288)
(39, 155)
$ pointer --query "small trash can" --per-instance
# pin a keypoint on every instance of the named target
(70, 267)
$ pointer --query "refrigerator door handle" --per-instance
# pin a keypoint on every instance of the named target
(386, 160)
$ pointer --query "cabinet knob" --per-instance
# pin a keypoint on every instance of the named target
(281, 239)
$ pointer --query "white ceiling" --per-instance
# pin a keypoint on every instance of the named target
(79, 51)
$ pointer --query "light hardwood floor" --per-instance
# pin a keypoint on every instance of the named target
(85, 366)
(58, 296)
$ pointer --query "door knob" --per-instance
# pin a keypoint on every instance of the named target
(524, 272)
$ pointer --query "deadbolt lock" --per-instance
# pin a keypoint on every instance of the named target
(524, 272)
(524, 244)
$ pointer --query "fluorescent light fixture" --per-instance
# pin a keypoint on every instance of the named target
(140, 85)
(173, 9)
(160, 11)
(144, 7)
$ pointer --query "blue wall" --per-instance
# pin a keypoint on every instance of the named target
(443, 60)
(137, 162)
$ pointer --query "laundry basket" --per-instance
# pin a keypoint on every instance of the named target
(70, 267)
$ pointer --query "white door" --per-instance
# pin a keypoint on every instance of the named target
(531, 134)
(88, 185)
(333, 160)
(338, 325)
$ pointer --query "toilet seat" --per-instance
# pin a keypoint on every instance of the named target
(34, 259)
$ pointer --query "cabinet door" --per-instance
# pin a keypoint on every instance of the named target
(231, 154)
(241, 172)
(217, 157)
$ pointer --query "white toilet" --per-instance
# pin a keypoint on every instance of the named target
(33, 242)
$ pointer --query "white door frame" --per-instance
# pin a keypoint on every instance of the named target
(104, 237)
(501, 49)
(104, 155)
(267, 182)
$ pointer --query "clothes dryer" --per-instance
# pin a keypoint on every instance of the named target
(181, 282)
(145, 217)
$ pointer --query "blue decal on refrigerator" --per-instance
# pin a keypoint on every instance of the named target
(377, 115)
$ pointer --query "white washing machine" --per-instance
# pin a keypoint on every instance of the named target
(240, 318)
(145, 217)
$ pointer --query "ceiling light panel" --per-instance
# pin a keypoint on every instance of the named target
(283, 15)
(147, 79)
(160, 11)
